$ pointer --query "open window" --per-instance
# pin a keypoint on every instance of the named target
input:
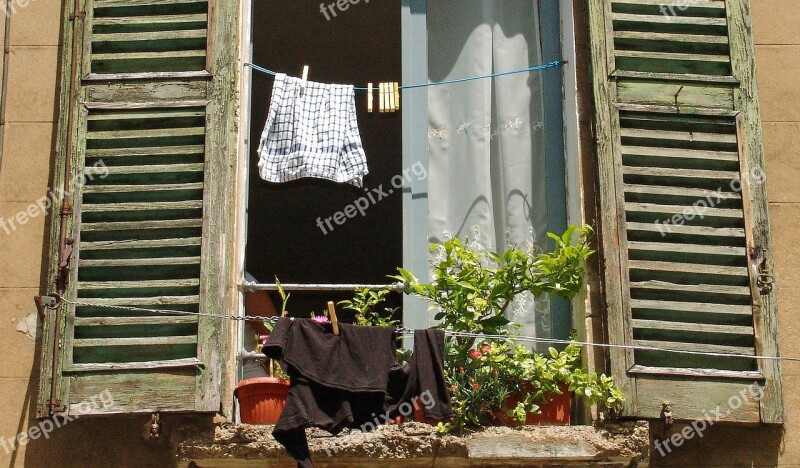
(503, 135)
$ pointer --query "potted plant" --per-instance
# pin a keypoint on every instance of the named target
(262, 399)
(492, 379)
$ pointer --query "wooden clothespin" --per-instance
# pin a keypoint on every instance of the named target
(334, 320)
(304, 79)
(396, 96)
(390, 96)
(369, 97)
(381, 98)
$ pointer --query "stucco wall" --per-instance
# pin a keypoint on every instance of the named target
(25, 172)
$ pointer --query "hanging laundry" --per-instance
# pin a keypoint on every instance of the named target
(353, 379)
(311, 131)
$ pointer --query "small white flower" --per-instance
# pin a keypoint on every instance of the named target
(437, 133)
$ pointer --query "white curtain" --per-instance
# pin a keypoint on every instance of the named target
(485, 137)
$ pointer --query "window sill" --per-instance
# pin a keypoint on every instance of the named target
(413, 444)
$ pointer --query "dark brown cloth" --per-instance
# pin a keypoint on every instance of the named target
(351, 380)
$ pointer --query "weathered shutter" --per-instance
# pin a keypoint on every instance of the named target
(152, 142)
(684, 209)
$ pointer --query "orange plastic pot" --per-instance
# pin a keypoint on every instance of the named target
(557, 411)
(261, 399)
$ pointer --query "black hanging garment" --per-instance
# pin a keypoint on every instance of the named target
(351, 380)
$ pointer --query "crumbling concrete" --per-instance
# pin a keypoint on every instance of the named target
(412, 444)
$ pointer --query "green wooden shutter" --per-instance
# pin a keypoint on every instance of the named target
(153, 143)
(677, 128)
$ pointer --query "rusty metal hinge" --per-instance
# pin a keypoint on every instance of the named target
(666, 415)
(764, 279)
(43, 303)
(63, 267)
(152, 429)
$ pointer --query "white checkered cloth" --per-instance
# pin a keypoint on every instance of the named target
(311, 134)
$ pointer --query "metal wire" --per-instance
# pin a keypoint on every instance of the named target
(407, 332)
(545, 66)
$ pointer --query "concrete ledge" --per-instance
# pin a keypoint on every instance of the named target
(414, 444)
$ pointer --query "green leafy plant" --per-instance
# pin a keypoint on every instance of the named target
(365, 304)
(470, 292)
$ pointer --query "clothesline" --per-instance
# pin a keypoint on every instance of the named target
(545, 66)
(406, 331)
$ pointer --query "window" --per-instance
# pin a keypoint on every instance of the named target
(684, 210)
(287, 234)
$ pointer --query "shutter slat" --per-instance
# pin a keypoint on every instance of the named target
(150, 20)
(720, 250)
(666, 19)
(680, 153)
(179, 283)
(125, 226)
(142, 301)
(123, 366)
(103, 153)
(166, 55)
(700, 231)
(689, 268)
(145, 169)
(148, 341)
(693, 307)
(121, 321)
(142, 188)
(150, 36)
(140, 3)
(681, 173)
(696, 347)
(668, 192)
(673, 56)
(678, 136)
(693, 327)
(140, 244)
(141, 262)
(742, 292)
(715, 4)
(182, 205)
(155, 133)
(670, 37)
(672, 209)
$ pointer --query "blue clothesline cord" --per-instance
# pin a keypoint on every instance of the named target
(545, 66)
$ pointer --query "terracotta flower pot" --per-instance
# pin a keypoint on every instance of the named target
(261, 399)
(557, 411)
(419, 416)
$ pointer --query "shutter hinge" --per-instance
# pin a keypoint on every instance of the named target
(78, 15)
(666, 415)
(43, 303)
(152, 429)
(764, 279)
(63, 267)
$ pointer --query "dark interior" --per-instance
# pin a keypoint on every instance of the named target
(360, 44)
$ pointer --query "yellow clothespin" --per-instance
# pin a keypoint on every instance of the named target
(304, 79)
(369, 97)
(334, 320)
(381, 98)
(396, 96)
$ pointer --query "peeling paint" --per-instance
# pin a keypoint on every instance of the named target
(29, 325)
